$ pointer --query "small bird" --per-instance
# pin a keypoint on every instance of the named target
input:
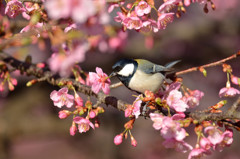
(140, 75)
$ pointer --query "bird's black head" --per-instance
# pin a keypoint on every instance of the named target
(124, 70)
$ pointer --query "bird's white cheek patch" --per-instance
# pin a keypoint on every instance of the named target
(127, 70)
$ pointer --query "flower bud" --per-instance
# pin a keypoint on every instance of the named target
(40, 65)
(92, 114)
(63, 114)
(10, 86)
(13, 81)
(96, 123)
(118, 139)
(133, 141)
(100, 110)
(78, 100)
(88, 104)
(73, 129)
(30, 83)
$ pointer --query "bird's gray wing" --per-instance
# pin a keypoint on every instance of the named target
(149, 67)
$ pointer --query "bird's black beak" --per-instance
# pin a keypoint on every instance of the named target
(112, 74)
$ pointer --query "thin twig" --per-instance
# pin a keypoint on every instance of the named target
(209, 65)
(115, 85)
(33, 1)
(235, 105)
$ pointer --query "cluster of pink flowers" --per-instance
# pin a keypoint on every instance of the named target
(63, 62)
(174, 135)
(171, 131)
(177, 101)
(216, 139)
(16, 7)
(62, 98)
(138, 18)
(138, 15)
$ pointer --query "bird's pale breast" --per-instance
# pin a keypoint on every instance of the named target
(142, 82)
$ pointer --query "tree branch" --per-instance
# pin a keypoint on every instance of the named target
(46, 75)
(33, 1)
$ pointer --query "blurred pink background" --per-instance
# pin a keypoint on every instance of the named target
(29, 124)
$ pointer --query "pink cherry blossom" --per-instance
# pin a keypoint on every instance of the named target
(149, 25)
(134, 109)
(118, 139)
(228, 92)
(172, 129)
(227, 139)
(132, 22)
(235, 80)
(164, 19)
(29, 8)
(114, 5)
(83, 124)
(71, 26)
(179, 146)
(99, 81)
(55, 62)
(13, 8)
(120, 17)
(214, 134)
(157, 120)
(205, 143)
(168, 5)
(175, 101)
(61, 98)
(142, 8)
(196, 153)
(193, 98)
(64, 61)
(136, 106)
(128, 111)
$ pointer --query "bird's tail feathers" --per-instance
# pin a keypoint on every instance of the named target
(171, 64)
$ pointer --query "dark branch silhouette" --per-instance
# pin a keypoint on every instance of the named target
(43, 74)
